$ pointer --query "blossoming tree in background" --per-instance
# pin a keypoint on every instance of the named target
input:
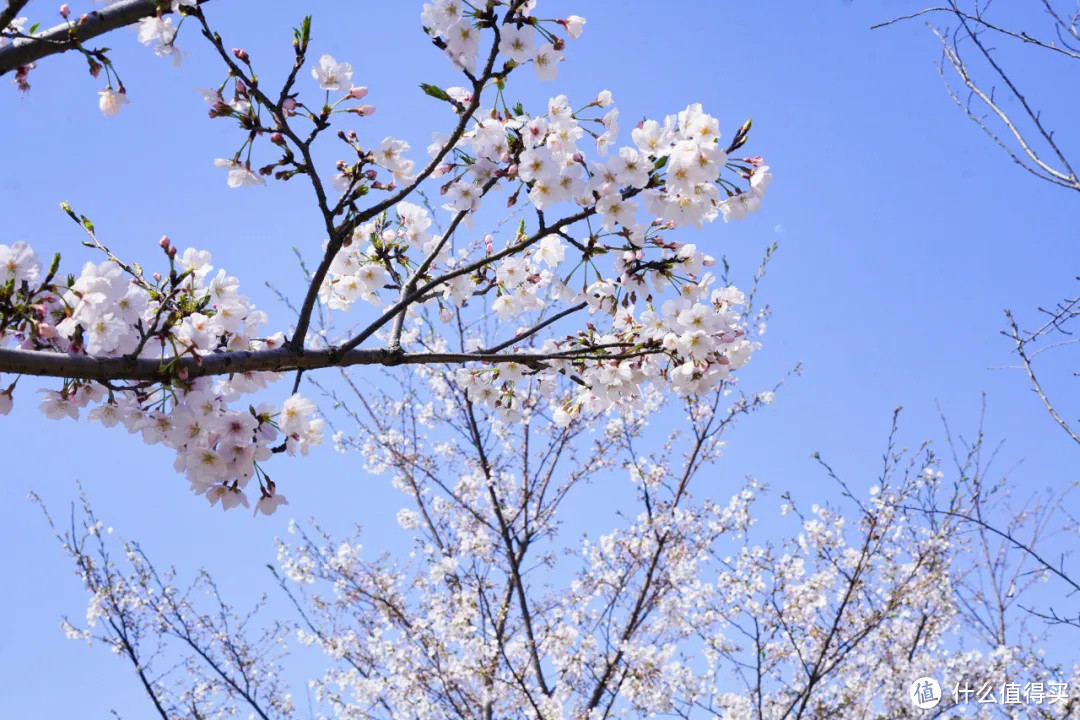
(597, 302)
(685, 607)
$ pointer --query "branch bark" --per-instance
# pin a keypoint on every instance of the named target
(89, 367)
(67, 36)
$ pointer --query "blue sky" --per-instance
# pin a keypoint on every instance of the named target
(903, 235)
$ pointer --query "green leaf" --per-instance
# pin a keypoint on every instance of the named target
(34, 28)
(301, 36)
(519, 109)
(435, 92)
(660, 162)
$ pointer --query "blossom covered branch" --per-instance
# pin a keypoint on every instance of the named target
(600, 301)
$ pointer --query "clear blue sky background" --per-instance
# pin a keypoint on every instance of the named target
(903, 234)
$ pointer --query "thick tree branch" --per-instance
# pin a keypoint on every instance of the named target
(67, 36)
(88, 367)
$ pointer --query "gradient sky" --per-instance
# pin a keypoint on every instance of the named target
(903, 235)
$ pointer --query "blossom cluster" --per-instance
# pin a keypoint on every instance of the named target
(448, 22)
(690, 341)
(110, 310)
(650, 312)
(678, 168)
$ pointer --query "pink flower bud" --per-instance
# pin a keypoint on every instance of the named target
(65, 10)
(371, 174)
(358, 93)
(164, 242)
(445, 315)
(365, 110)
(182, 373)
(277, 138)
(240, 54)
(157, 277)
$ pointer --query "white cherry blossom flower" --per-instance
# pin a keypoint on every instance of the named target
(332, 75)
(111, 101)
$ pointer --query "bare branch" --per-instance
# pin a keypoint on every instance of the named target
(1014, 333)
(1028, 141)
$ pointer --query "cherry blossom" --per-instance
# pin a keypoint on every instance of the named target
(240, 175)
(111, 101)
(332, 75)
